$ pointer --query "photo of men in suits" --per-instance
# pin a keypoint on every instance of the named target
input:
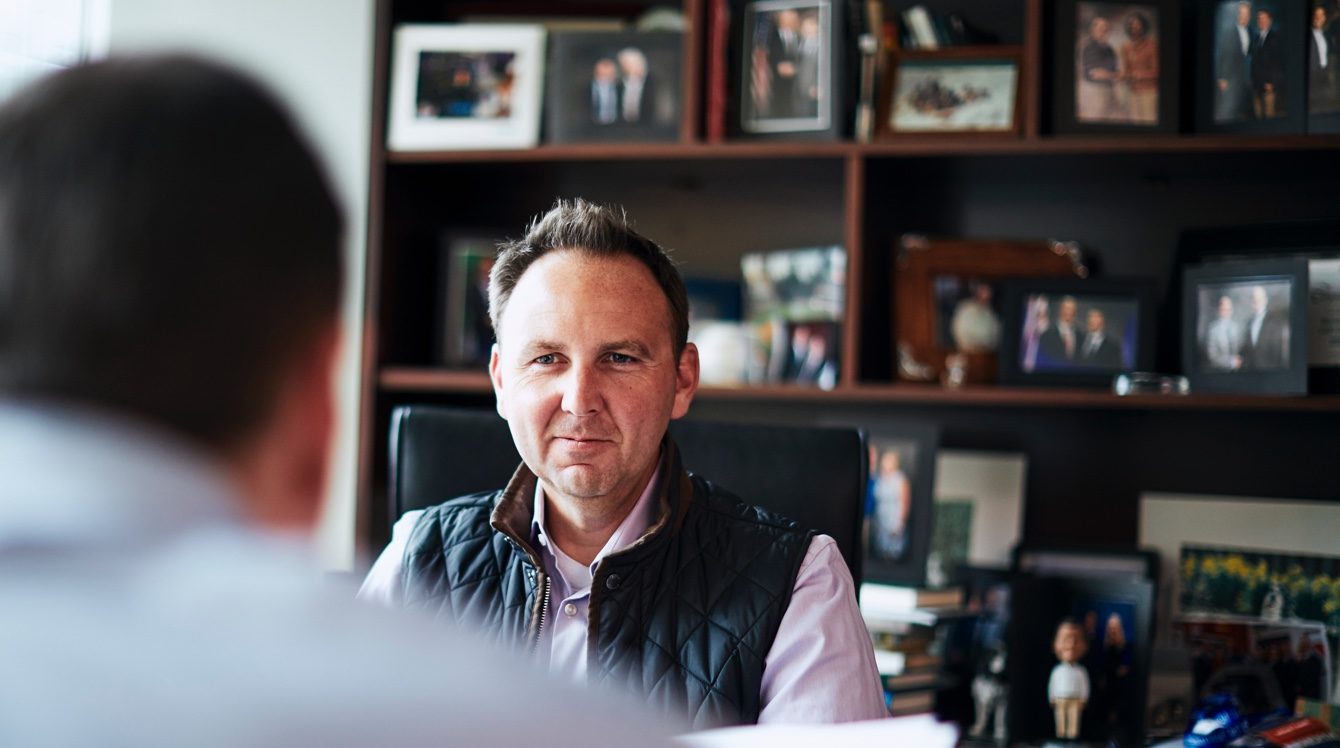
(786, 62)
(622, 88)
(1058, 341)
(1244, 326)
(1322, 81)
(1232, 66)
(607, 86)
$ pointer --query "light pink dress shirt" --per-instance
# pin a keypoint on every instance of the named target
(821, 667)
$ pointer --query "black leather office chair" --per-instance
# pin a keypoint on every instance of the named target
(816, 476)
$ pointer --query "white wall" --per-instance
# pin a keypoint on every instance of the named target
(317, 54)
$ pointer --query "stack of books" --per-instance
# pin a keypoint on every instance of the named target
(903, 625)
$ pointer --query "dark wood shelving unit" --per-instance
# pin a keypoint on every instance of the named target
(1125, 199)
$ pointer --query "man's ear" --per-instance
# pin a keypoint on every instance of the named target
(686, 380)
(283, 468)
(495, 375)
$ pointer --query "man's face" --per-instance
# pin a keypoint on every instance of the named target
(1096, 321)
(1099, 28)
(1318, 18)
(1259, 300)
(788, 19)
(1244, 14)
(1069, 645)
(586, 375)
(1263, 21)
(1067, 311)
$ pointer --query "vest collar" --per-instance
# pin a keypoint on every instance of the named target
(514, 512)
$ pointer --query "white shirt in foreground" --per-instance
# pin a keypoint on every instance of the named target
(139, 611)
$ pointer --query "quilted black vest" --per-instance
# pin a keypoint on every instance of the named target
(686, 615)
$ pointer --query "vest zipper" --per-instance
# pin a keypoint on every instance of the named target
(544, 610)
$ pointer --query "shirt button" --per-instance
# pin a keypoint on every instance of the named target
(613, 581)
(569, 610)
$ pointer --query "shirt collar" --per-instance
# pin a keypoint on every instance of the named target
(75, 475)
(633, 527)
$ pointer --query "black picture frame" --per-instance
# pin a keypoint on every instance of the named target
(1228, 83)
(1032, 353)
(1323, 81)
(1216, 357)
(759, 107)
(1115, 712)
(1142, 101)
(589, 79)
(896, 546)
(1313, 240)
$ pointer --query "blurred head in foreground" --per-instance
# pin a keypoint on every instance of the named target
(170, 253)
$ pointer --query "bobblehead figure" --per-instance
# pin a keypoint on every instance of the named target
(1068, 689)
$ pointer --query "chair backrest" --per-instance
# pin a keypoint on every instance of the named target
(816, 476)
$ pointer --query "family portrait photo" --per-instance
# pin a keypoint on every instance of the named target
(1117, 63)
(788, 60)
(899, 508)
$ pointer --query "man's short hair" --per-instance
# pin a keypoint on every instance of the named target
(169, 245)
(596, 230)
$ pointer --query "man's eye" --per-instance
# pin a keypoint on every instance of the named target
(621, 358)
(546, 359)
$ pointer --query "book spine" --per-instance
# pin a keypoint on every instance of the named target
(718, 37)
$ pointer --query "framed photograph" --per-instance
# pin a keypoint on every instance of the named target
(465, 86)
(898, 505)
(1286, 659)
(979, 511)
(790, 68)
(607, 86)
(1065, 632)
(467, 333)
(953, 90)
(976, 656)
(944, 299)
(1323, 82)
(1244, 327)
(1116, 66)
(1251, 76)
(1082, 333)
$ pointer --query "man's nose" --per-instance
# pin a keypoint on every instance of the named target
(581, 390)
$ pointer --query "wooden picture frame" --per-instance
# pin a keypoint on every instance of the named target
(614, 86)
(1230, 84)
(899, 506)
(1224, 346)
(789, 69)
(465, 86)
(1033, 350)
(921, 329)
(1116, 66)
(953, 91)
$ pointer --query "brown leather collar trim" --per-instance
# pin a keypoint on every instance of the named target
(513, 514)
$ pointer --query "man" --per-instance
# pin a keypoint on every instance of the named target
(638, 93)
(168, 323)
(1060, 342)
(606, 94)
(1233, 94)
(1223, 339)
(602, 556)
(1265, 342)
(1267, 65)
(1097, 101)
(1322, 94)
(784, 52)
(1100, 349)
